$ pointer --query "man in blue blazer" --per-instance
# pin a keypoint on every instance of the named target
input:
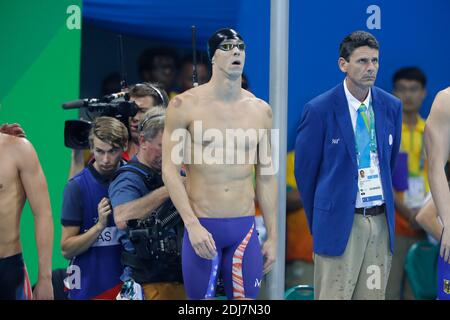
(347, 143)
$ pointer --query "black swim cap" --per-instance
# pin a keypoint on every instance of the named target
(218, 37)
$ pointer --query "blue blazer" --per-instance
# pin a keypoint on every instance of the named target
(326, 169)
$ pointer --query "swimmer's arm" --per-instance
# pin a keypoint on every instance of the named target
(437, 142)
(176, 120)
(266, 195)
(437, 136)
(428, 220)
(35, 185)
(266, 191)
(403, 210)
(266, 186)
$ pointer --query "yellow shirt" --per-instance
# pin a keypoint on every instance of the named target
(290, 177)
(413, 144)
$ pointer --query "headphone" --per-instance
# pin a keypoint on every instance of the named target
(163, 98)
(143, 123)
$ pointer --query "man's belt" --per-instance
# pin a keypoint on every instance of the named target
(373, 211)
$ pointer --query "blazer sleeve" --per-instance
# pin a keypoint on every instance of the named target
(308, 157)
(398, 136)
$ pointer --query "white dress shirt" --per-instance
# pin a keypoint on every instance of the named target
(353, 106)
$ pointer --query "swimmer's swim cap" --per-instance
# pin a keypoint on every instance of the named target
(218, 37)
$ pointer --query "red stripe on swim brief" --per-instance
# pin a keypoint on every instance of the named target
(238, 282)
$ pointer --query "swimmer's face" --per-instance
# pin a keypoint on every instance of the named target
(361, 67)
(152, 150)
(230, 57)
(106, 156)
(144, 104)
(411, 92)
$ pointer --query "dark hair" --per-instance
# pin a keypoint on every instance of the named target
(410, 73)
(355, 40)
(153, 90)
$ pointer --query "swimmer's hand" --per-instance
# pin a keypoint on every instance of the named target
(445, 244)
(269, 252)
(43, 290)
(202, 241)
(13, 130)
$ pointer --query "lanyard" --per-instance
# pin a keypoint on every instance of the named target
(371, 128)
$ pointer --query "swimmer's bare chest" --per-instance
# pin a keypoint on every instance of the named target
(224, 133)
(12, 200)
(12, 194)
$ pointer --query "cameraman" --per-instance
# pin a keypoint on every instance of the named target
(89, 235)
(145, 95)
(134, 198)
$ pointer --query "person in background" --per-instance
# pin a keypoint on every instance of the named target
(410, 87)
(89, 236)
(159, 65)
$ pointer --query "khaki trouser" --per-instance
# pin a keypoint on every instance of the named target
(164, 291)
(363, 270)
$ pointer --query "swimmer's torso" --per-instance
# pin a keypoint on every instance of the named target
(12, 198)
(222, 154)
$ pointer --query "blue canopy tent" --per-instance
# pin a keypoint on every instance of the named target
(163, 21)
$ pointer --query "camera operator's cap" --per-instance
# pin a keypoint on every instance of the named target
(218, 37)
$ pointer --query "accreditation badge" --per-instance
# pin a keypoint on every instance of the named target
(369, 184)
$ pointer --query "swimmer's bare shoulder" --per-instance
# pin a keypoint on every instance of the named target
(260, 106)
(15, 147)
(17, 157)
(440, 110)
(178, 110)
(445, 95)
(24, 153)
